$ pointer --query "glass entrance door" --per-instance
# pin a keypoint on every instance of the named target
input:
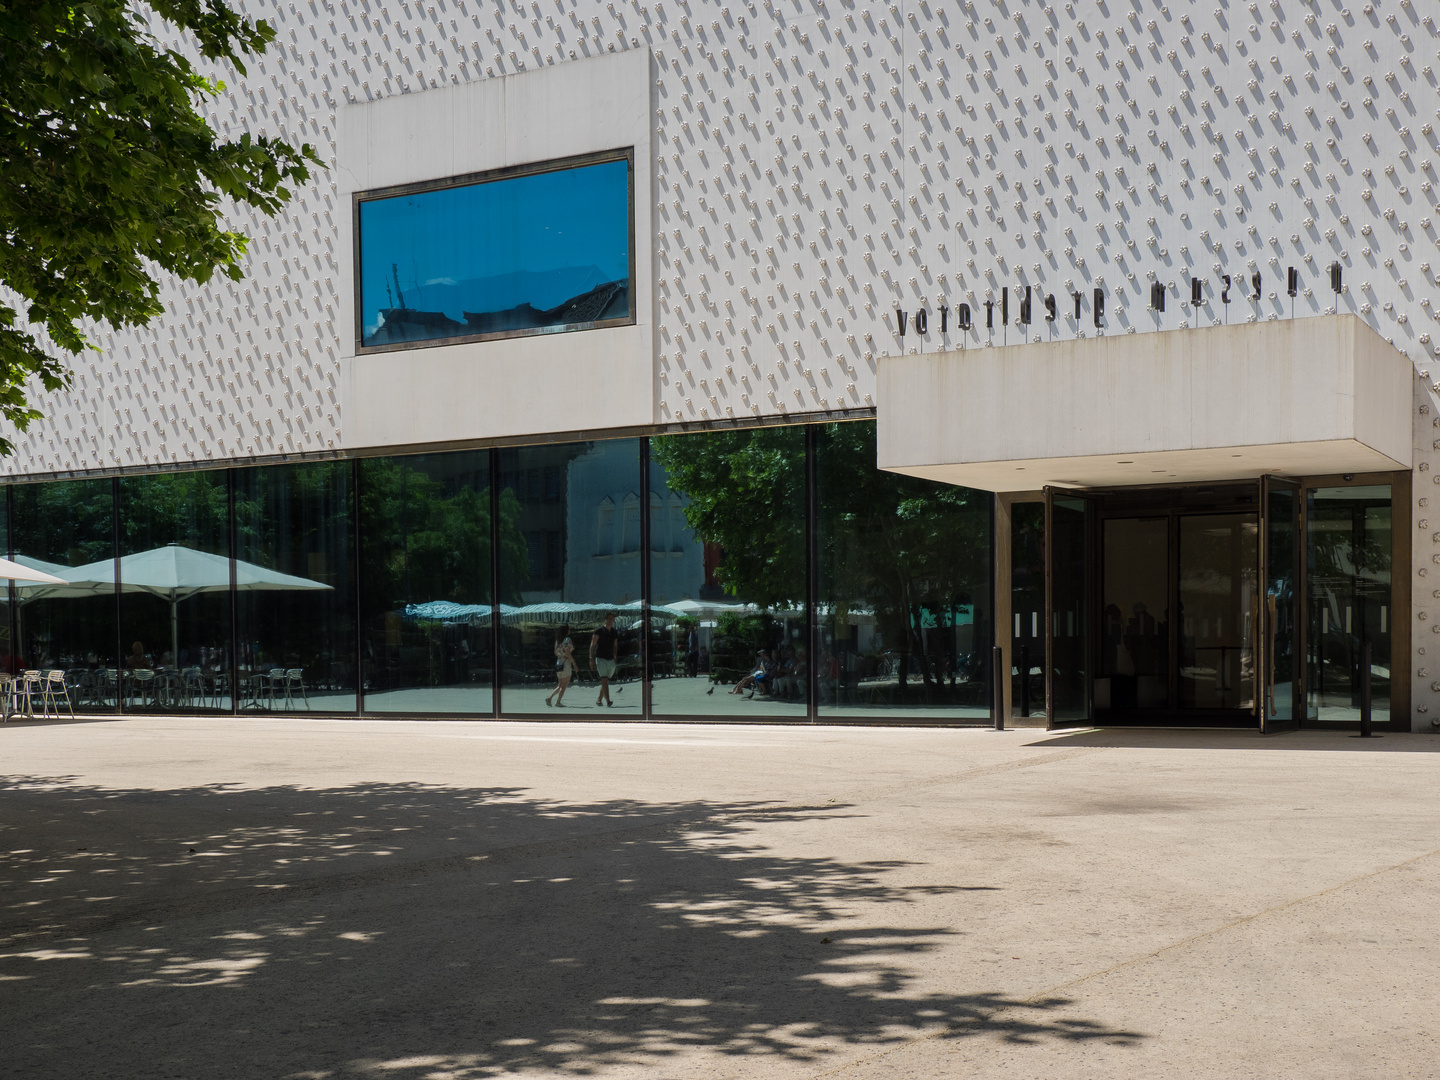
(1281, 673)
(1135, 614)
(1178, 605)
(1219, 607)
(1069, 585)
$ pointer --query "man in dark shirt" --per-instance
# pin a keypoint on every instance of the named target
(603, 654)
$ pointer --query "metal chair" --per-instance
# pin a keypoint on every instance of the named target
(192, 687)
(31, 686)
(295, 682)
(7, 696)
(53, 691)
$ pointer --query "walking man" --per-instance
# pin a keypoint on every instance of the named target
(604, 644)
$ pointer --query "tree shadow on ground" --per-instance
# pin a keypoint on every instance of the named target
(420, 932)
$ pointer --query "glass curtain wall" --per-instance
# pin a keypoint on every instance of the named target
(1349, 578)
(570, 613)
(904, 588)
(272, 589)
(727, 574)
(425, 576)
(295, 582)
(175, 620)
(68, 529)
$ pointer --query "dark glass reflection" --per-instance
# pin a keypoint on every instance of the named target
(1027, 603)
(296, 607)
(425, 549)
(1219, 610)
(1072, 561)
(905, 618)
(175, 592)
(62, 528)
(546, 250)
(1135, 616)
(727, 558)
(1349, 551)
(1281, 646)
(576, 509)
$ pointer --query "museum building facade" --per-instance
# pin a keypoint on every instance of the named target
(700, 315)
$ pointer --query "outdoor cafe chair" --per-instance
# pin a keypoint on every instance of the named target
(30, 688)
(192, 687)
(295, 684)
(139, 685)
(7, 695)
(54, 691)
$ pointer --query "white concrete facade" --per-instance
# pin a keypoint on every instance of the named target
(803, 169)
(599, 378)
(1296, 397)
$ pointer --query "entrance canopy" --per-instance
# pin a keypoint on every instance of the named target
(1300, 396)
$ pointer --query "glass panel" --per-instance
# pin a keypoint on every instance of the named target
(425, 551)
(1281, 624)
(175, 592)
(1218, 610)
(1134, 624)
(1027, 608)
(1072, 575)
(8, 657)
(542, 251)
(727, 573)
(296, 599)
(904, 588)
(68, 529)
(571, 503)
(1348, 541)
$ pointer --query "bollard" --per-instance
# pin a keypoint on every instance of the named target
(998, 680)
(1365, 732)
(1025, 680)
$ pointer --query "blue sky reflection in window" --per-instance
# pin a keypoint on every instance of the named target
(526, 253)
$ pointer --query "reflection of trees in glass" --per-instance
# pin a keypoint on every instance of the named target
(746, 492)
(190, 508)
(898, 546)
(907, 551)
(422, 544)
(70, 523)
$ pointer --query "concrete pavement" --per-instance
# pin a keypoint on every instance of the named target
(199, 898)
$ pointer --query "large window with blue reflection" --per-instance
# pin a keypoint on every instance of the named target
(539, 250)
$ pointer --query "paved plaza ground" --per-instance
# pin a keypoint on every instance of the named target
(309, 898)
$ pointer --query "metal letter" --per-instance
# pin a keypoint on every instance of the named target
(962, 316)
(1099, 307)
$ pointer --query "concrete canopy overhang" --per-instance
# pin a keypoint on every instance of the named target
(1300, 396)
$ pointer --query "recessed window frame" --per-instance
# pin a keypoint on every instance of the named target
(625, 154)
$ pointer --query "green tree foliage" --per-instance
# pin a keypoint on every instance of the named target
(108, 173)
(900, 546)
(906, 550)
(421, 544)
(747, 495)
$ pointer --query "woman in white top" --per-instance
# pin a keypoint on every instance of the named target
(564, 666)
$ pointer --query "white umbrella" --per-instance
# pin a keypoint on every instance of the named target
(19, 572)
(176, 573)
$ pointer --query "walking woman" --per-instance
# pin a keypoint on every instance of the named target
(564, 666)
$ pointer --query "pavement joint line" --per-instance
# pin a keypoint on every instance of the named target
(1035, 999)
(239, 898)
